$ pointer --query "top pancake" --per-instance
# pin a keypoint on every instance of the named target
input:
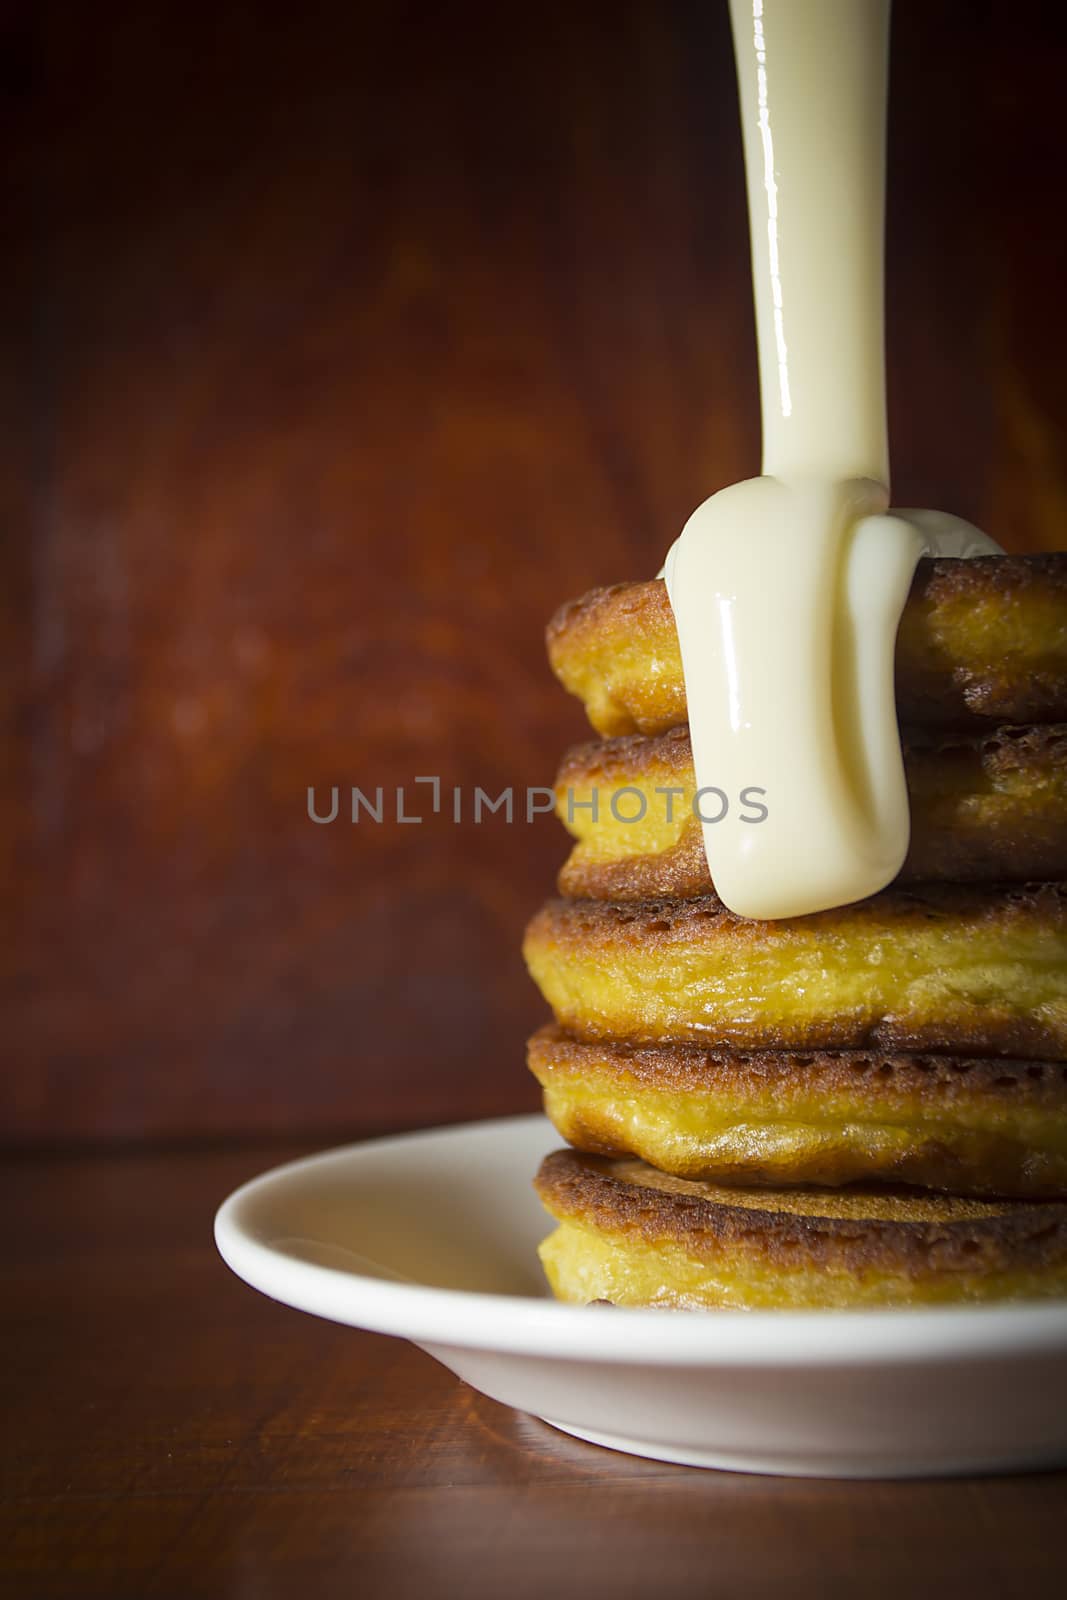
(981, 640)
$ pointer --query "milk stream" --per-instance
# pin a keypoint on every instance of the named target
(788, 589)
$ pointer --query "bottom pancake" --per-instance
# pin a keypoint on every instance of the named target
(638, 1237)
(963, 1124)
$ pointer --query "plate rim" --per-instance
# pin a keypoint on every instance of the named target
(524, 1325)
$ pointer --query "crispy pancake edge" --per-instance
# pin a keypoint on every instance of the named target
(1033, 849)
(932, 1080)
(584, 933)
(653, 924)
(1004, 1235)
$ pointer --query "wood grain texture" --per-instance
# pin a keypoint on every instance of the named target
(170, 1433)
(344, 343)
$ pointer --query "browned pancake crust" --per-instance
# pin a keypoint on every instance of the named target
(862, 1227)
(617, 648)
(937, 1080)
(625, 947)
(968, 1100)
(1022, 842)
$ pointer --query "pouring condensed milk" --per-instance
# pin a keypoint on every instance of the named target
(788, 589)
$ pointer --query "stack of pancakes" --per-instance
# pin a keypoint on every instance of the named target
(867, 1106)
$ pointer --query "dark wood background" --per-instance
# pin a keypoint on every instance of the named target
(342, 344)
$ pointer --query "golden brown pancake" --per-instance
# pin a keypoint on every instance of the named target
(944, 969)
(981, 639)
(638, 1237)
(966, 1125)
(985, 808)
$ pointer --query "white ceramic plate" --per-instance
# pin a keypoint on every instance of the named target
(433, 1237)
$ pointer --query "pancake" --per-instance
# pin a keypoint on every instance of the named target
(981, 640)
(944, 969)
(965, 1125)
(985, 808)
(638, 1237)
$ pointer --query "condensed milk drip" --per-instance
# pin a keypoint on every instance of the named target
(788, 589)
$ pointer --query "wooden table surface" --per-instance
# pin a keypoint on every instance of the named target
(171, 1433)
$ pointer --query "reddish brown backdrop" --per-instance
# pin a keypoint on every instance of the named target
(343, 343)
